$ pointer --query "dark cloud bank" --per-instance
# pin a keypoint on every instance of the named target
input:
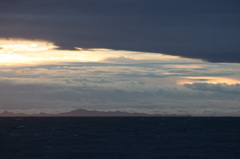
(206, 29)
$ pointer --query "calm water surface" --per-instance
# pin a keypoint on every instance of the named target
(120, 138)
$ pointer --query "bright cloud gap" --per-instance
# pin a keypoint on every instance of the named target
(22, 51)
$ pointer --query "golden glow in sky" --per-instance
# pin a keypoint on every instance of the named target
(18, 52)
(211, 80)
(93, 77)
(21, 51)
(15, 45)
(24, 52)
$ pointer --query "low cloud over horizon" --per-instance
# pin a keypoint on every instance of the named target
(35, 77)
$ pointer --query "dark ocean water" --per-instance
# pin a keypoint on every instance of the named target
(120, 138)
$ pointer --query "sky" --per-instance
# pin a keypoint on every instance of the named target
(165, 56)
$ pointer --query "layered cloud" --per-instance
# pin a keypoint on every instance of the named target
(216, 88)
(203, 29)
(117, 80)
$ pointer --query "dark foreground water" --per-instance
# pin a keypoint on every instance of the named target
(120, 138)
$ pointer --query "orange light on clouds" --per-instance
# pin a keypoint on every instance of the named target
(15, 45)
(184, 66)
(211, 80)
(24, 52)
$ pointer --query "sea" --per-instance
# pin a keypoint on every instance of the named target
(119, 138)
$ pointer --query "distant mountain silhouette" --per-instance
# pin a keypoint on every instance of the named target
(76, 113)
(9, 114)
(84, 112)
